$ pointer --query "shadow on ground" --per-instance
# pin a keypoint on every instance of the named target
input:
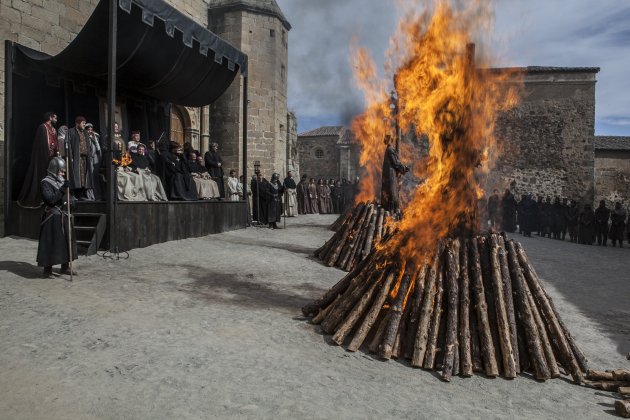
(22, 269)
(298, 249)
(246, 291)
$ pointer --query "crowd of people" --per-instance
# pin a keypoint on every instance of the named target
(557, 219)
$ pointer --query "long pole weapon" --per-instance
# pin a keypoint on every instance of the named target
(68, 205)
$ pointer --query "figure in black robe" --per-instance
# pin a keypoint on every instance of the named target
(617, 225)
(494, 207)
(586, 230)
(273, 190)
(214, 164)
(179, 182)
(557, 218)
(529, 211)
(302, 194)
(392, 171)
(508, 212)
(336, 194)
(53, 230)
(45, 147)
(259, 209)
(571, 217)
(602, 215)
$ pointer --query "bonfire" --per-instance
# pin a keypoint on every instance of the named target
(435, 289)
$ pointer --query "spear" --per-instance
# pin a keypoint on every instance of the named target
(67, 147)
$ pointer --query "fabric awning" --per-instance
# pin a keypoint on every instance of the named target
(160, 53)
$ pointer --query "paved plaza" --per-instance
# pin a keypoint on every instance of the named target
(211, 328)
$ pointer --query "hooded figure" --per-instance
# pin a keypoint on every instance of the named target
(53, 230)
(392, 171)
(273, 191)
(618, 224)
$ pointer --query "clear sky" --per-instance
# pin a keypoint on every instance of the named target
(566, 33)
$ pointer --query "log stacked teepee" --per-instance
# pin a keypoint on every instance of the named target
(360, 230)
(477, 306)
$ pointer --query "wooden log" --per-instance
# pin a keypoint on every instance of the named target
(371, 315)
(378, 233)
(452, 314)
(552, 362)
(356, 253)
(486, 348)
(598, 375)
(332, 293)
(353, 239)
(426, 310)
(396, 310)
(503, 324)
(557, 335)
(436, 317)
(475, 347)
(509, 301)
(333, 255)
(606, 385)
(622, 408)
(523, 354)
(386, 227)
(465, 353)
(367, 246)
(486, 270)
(356, 313)
(623, 390)
(526, 316)
(621, 375)
(416, 301)
(378, 335)
(347, 302)
(339, 235)
(321, 315)
(399, 342)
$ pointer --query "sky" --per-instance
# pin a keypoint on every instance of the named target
(565, 33)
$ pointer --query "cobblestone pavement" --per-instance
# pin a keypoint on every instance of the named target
(211, 328)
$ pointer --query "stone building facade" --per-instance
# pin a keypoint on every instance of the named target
(260, 30)
(548, 138)
(612, 170)
(50, 25)
(329, 152)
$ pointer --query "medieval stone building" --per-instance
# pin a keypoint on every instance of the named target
(548, 138)
(329, 152)
(256, 27)
(612, 169)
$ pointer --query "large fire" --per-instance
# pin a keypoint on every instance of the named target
(443, 96)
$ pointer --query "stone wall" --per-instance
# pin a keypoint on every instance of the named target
(265, 41)
(548, 139)
(612, 176)
(292, 148)
(326, 166)
(49, 26)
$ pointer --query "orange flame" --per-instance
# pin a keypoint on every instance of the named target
(441, 94)
(125, 160)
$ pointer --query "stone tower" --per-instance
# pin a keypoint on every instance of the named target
(260, 30)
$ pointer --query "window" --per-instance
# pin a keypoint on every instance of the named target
(272, 33)
(319, 153)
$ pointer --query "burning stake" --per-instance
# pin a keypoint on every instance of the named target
(477, 306)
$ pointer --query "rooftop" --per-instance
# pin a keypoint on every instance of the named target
(620, 143)
(326, 131)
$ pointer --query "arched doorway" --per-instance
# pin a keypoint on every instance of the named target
(177, 126)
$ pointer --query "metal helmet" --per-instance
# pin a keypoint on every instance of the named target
(275, 176)
(56, 165)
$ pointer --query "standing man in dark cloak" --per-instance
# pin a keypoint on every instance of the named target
(494, 206)
(557, 215)
(80, 168)
(179, 182)
(618, 224)
(586, 230)
(45, 147)
(571, 217)
(508, 211)
(392, 171)
(302, 194)
(273, 191)
(53, 230)
(602, 215)
(214, 164)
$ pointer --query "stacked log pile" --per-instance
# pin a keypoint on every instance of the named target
(341, 220)
(361, 230)
(476, 306)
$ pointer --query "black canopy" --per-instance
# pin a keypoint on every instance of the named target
(160, 53)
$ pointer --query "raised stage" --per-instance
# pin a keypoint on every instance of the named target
(142, 224)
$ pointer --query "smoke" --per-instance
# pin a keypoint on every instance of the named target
(321, 84)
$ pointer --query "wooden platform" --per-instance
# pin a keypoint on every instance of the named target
(142, 224)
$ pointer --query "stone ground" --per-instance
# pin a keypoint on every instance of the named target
(212, 328)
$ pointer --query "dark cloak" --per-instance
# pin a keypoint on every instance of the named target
(392, 169)
(30, 195)
(212, 161)
(74, 171)
(272, 192)
(179, 182)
